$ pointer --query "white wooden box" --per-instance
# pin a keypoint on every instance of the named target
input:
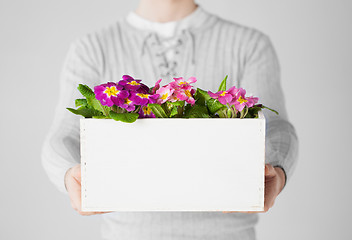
(173, 165)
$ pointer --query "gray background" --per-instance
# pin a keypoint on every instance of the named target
(313, 41)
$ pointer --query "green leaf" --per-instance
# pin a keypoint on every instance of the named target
(124, 117)
(94, 103)
(270, 109)
(101, 117)
(229, 113)
(201, 96)
(196, 111)
(85, 112)
(222, 86)
(214, 105)
(253, 112)
(222, 112)
(244, 112)
(80, 102)
(173, 112)
(178, 103)
(157, 110)
(86, 91)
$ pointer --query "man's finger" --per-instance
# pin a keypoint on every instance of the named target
(269, 170)
(75, 194)
(76, 173)
(239, 211)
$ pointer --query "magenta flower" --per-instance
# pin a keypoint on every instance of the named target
(143, 89)
(143, 98)
(127, 77)
(109, 93)
(127, 104)
(165, 93)
(129, 83)
(156, 87)
(146, 112)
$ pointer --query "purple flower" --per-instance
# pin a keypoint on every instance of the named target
(143, 98)
(129, 83)
(143, 88)
(127, 104)
(146, 112)
(109, 93)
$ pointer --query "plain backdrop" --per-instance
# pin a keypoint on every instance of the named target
(313, 40)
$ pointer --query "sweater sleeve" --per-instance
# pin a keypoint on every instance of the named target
(261, 77)
(61, 148)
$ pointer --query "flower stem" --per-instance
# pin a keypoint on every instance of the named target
(233, 112)
(222, 114)
(137, 109)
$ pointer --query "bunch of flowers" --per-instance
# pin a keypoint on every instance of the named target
(130, 99)
(128, 95)
(235, 102)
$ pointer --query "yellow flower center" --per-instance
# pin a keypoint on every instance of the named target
(181, 83)
(146, 110)
(164, 96)
(223, 93)
(241, 100)
(188, 93)
(134, 83)
(142, 95)
(127, 101)
(111, 91)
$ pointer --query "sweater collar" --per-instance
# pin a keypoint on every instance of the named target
(195, 20)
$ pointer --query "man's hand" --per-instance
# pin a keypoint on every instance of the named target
(73, 186)
(274, 182)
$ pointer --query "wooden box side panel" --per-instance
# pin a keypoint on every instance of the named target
(173, 165)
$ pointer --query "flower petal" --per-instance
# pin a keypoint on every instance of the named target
(127, 77)
(213, 95)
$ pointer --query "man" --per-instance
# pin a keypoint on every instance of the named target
(165, 39)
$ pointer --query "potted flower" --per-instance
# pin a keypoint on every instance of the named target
(173, 147)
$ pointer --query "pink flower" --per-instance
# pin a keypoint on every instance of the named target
(181, 83)
(165, 93)
(233, 91)
(178, 90)
(224, 97)
(240, 100)
(185, 95)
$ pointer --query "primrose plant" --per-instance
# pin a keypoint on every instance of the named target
(129, 99)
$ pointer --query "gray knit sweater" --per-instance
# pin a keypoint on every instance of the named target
(208, 49)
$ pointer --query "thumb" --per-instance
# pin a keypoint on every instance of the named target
(76, 172)
(269, 170)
